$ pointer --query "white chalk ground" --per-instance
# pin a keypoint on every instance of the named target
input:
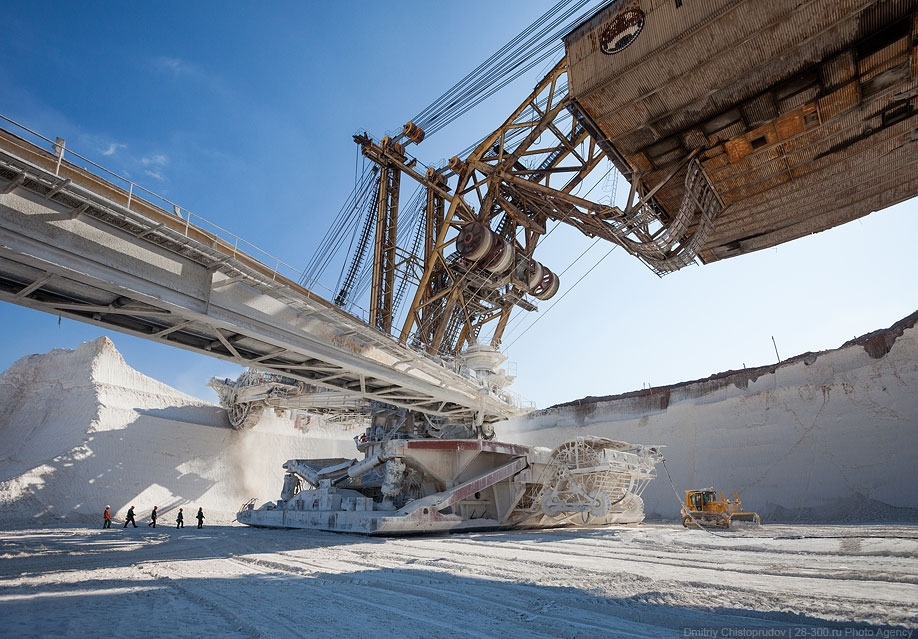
(79, 429)
(644, 581)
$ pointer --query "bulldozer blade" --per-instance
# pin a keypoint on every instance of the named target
(745, 520)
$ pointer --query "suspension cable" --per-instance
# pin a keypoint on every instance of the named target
(538, 42)
(541, 315)
(344, 223)
(518, 317)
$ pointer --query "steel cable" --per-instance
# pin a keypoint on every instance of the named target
(538, 42)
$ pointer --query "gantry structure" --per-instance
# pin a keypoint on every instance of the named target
(737, 124)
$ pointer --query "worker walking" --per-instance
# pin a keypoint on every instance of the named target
(130, 518)
(107, 517)
(200, 517)
(180, 519)
(153, 517)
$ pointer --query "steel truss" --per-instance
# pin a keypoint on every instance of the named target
(518, 178)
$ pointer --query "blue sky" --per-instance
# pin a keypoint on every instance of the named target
(243, 113)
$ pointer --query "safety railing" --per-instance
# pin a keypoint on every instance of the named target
(134, 190)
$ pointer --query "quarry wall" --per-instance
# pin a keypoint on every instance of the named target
(830, 436)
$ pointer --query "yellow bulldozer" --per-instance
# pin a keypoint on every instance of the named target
(711, 509)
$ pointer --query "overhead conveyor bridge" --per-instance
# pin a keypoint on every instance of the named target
(78, 246)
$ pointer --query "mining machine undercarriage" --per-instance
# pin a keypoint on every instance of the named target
(410, 481)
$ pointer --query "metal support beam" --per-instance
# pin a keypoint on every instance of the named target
(154, 276)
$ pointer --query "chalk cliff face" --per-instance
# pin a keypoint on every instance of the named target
(80, 429)
(830, 436)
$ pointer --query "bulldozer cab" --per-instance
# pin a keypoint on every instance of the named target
(695, 500)
(701, 500)
(709, 500)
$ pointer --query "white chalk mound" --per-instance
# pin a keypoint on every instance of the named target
(80, 429)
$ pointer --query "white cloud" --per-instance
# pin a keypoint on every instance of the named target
(154, 164)
(175, 66)
(113, 148)
(157, 160)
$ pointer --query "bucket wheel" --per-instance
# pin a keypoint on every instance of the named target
(245, 415)
(600, 504)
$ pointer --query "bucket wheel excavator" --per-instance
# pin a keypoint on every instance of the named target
(707, 140)
(461, 255)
